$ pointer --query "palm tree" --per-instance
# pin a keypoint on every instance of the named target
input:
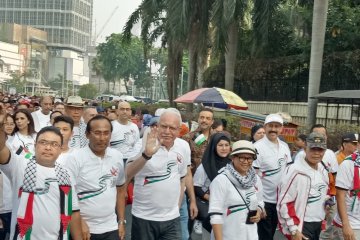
(317, 49)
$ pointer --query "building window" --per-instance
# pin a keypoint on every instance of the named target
(41, 18)
(49, 19)
(17, 4)
(42, 4)
(32, 18)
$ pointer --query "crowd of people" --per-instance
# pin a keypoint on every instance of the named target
(68, 170)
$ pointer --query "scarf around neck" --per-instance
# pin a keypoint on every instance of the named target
(245, 182)
(211, 161)
(27, 193)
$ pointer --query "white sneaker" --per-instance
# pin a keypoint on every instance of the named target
(197, 227)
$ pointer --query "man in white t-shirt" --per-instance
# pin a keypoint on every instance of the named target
(273, 157)
(303, 193)
(159, 172)
(125, 134)
(42, 116)
(99, 177)
(74, 108)
(42, 204)
(347, 219)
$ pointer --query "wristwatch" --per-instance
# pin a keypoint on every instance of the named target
(122, 222)
(146, 157)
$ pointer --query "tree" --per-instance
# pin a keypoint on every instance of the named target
(317, 49)
(17, 81)
(88, 91)
(119, 60)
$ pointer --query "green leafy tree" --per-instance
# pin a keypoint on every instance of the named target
(17, 81)
(121, 60)
(88, 91)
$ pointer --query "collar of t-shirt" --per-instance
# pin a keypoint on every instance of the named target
(92, 155)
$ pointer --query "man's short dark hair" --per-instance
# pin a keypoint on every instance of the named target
(206, 110)
(318, 125)
(50, 129)
(97, 118)
(64, 119)
(52, 113)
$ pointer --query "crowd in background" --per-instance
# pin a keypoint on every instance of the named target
(80, 161)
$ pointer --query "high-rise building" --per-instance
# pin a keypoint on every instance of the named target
(68, 27)
(67, 22)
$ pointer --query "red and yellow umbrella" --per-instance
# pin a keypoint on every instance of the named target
(217, 97)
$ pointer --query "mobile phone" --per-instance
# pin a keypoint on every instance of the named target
(251, 213)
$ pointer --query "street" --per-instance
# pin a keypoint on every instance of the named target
(194, 236)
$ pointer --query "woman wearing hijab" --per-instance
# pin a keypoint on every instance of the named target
(236, 196)
(215, 157)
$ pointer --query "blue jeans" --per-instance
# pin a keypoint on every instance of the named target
(184, 218)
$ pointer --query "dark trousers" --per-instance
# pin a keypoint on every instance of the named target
(6, 220)
(142, 229)
(267, 226)
(113, 235)
(312, 230)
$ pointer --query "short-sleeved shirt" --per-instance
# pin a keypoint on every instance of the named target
(157, 184)
(46, 205)
(22, 145)
(124, 138)
(95, 184)
(201, 179)
(345, 180)
(271, 162)
(40, 120)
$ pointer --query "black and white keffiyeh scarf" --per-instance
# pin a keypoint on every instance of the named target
(245, 182)
(27, 193)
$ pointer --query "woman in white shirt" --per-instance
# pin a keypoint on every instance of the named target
(236, 196)
(23, 140)
(215, 157)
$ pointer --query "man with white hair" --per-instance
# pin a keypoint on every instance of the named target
(159, 172)
(273, 156)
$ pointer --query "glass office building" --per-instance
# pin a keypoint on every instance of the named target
(67, 22)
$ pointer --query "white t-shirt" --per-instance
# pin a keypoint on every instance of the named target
(345, 180)
(46, 206)
(22, 145)
(5, 194)
(228, 208)
(329, 159)
(201, 179)
(40, 120)
(157, 185)
(124, 138)
(95, 183)
(271, 162)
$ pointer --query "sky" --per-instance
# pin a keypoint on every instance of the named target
(103, 10)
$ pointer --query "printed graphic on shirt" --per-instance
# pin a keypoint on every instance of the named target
(316, 192)
(43, 190)
(281, 162)
(159, 178)
(240, 207)
(105, 181)
(128, 140)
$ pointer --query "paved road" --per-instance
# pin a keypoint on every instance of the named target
(194, 236)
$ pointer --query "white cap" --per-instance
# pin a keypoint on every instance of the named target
(274, 118)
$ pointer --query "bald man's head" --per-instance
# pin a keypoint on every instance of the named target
(89, 113)
(124, 112)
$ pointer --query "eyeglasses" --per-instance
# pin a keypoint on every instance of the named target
(99, 133)
(45, 143)
(245, 159)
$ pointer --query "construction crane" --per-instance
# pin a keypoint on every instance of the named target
(105, 24)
